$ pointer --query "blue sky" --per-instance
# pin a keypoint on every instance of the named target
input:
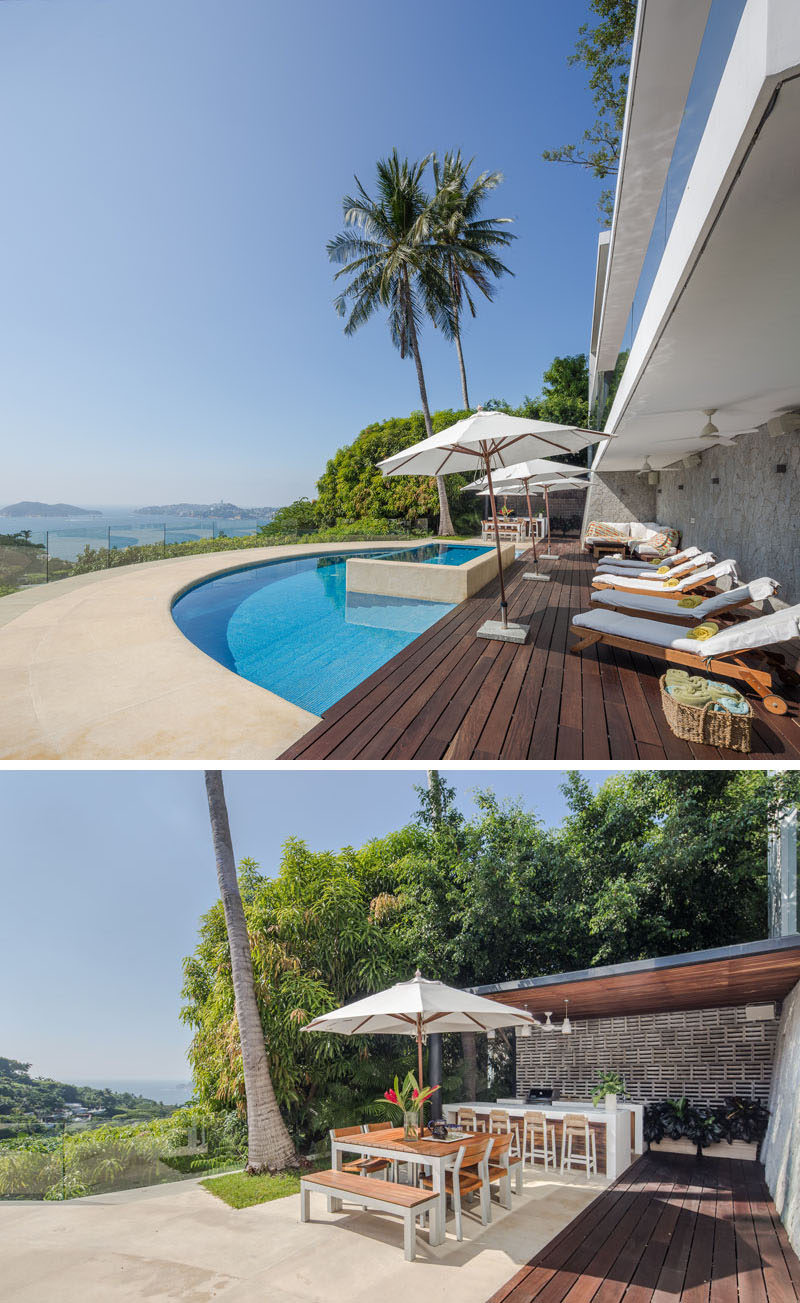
(105, 875)
(172, 170)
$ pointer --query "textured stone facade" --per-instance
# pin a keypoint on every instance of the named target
(781, 1150)
(739, 505)
(620, 495)
(702, 1053)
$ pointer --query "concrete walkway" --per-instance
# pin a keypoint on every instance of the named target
(95, 668)
(182, 1243)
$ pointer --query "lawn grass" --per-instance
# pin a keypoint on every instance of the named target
(241, 1191)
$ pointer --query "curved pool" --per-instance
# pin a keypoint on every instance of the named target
(292, 627)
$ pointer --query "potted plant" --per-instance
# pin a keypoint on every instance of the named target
(665, 1126)
(611, 1087)
(743, 1123)
(702, 1129)
(407, 1100)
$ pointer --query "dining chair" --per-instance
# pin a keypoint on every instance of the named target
(468, 1175)
(576, 1127)
(361, 1166)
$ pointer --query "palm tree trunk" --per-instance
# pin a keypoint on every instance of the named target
(269, 1146)
(462, 369)
(457, 336)
(445, 522)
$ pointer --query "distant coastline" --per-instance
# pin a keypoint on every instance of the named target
(37, 510)
(208, 511)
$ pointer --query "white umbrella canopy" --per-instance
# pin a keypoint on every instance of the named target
(416, 1007)
(538, 475)
(491, 439)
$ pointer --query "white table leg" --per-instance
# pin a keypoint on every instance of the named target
(439, 1208)
(335, 1205)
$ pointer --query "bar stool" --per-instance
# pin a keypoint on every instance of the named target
(537, 1122)
(576, 1127)
(468, 1120)
(499, 1124)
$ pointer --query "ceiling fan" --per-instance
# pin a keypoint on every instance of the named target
(710, 430)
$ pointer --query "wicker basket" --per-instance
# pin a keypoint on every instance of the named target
(716, 728)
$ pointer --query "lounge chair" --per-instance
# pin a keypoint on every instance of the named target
(723, 654)
(635, 563)
(686, 584)
(655, 608)
(699, 562)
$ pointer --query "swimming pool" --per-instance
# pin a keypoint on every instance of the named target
(292, 627)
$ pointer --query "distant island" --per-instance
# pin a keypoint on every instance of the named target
(46, 509)
(213, 510)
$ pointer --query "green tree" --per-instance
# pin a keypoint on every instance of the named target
(467, 240)
(300, 517)
(269, 1146)
(390, 257)
(604, 51)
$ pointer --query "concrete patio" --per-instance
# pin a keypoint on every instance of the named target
(180, 1242)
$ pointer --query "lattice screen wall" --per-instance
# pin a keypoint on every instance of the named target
(704, 1054)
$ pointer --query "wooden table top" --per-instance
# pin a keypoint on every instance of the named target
(393, 1139)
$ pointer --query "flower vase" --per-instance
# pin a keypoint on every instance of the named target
(410, 1124)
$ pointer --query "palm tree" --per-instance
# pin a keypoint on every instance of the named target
(467, 241)
(269, 1146)
(387, 251)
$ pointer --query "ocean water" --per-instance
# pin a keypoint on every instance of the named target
(162, 1090)
(69, 535)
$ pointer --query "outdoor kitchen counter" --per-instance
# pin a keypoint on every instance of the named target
(614, 1129)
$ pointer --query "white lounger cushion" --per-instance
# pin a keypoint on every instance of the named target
(656, 586)
(685, 568)
(766, 630)
(758, 591)
(631, 563)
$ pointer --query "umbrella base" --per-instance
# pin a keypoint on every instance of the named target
(547, 556)
(510, 633)
(534, 574)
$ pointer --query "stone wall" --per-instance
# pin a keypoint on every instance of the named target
(739, 505)
(780, 1152)
(620, 495)
(702, 1053)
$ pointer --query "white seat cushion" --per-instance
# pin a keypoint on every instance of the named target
(656, 585)
(631, 563)
(757, 591)
(675, 572)
(778, 626)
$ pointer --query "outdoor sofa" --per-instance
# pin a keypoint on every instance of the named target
(649, 539)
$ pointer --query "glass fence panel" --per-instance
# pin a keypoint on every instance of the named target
(23, 559)
(69, 1161)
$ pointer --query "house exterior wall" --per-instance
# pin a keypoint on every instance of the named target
(750, 513)
(620, 495)
(780, 1152)
(704, 1054)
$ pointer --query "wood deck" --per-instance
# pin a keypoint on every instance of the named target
(452, 696)
(670, 1228)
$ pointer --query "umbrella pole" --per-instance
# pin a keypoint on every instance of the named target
(547, 509)
(530, 518)
(503, 602)
(419, 1051)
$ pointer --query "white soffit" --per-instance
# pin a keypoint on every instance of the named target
(666, 43)
(730, 341)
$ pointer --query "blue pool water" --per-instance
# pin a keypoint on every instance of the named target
(292, 627)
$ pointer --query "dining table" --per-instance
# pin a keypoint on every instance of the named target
(437, 1155)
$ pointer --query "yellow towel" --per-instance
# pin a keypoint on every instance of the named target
(690, 602)
(703, 631)
(663, 570)
(671, 583)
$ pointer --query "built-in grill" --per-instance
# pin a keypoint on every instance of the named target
(542, 1095)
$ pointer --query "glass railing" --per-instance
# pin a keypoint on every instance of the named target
(68, 1161)
(720, 32)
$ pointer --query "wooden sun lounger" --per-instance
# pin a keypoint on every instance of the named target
(730, 665)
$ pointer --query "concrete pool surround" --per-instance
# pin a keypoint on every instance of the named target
(95, 668)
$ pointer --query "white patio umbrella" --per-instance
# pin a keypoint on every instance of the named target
(492, 440)
(539, 471)
(416, 1007)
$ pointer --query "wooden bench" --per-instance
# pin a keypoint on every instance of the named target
(404, 1201)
